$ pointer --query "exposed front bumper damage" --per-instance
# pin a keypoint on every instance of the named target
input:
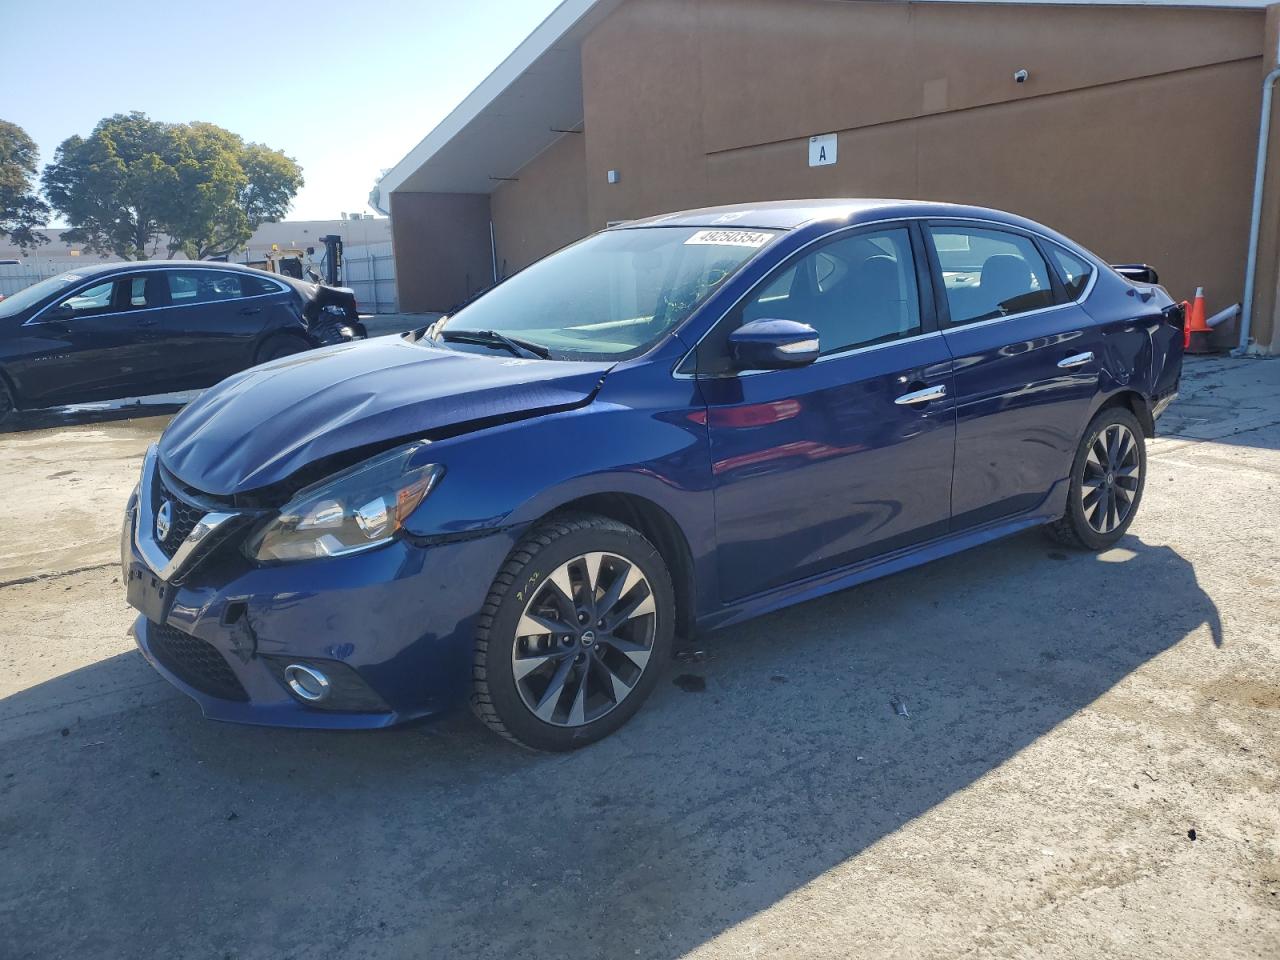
(393, 626)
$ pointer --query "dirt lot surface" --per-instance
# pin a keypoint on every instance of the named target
(1088, 765)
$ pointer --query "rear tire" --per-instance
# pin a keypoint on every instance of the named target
(1107, 479)
(279, 345)
(7, 406)
(604, 596)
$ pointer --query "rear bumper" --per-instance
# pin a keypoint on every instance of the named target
(397, 624)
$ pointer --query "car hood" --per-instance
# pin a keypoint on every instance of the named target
(261, 426)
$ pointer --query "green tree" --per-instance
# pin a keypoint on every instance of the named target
(208, 221)
(21, 210)
(236, 187)
(117, 186)
(135, 182)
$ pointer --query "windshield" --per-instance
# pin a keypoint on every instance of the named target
(611, 296)
(27, 296)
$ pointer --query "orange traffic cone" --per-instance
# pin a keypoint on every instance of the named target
(1196, 321)
(1197, 329)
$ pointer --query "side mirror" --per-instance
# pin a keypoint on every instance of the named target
(59, 314)
(773, 345)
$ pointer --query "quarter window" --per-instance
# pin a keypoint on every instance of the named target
(990, 274)
(857, 291)
(257, 286)
(1074, 271)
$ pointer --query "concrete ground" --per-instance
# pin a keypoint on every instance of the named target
(1086, 763)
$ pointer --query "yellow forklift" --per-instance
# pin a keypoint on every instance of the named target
(296, 262)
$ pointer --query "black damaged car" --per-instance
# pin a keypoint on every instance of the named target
(133, 329)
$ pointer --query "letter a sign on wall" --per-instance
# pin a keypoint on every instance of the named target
(822, 150)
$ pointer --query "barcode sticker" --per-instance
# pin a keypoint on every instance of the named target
(730, 238)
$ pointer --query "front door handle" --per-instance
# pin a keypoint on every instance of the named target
(922, 396)
(148, 322)
(1076, 360)
(250, 310)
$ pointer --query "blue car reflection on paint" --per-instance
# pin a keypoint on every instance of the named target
(670, 426)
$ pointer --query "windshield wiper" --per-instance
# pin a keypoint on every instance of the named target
(521, 348)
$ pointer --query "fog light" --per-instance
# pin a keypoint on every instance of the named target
(307, 683)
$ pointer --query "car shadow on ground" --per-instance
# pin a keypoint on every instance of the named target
(85, 414)
(157, 833)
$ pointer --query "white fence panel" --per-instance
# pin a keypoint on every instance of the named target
(370, 270)
(14, 277)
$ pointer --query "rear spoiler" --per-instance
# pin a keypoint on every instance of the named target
(1137, 272)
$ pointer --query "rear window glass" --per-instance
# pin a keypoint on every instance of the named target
(209, 286)
(990, 274)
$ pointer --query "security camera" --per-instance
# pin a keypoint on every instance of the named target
(1021, 76)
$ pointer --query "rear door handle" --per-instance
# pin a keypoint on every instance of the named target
(922, 396)
(1076, 360)
(148, 322)
(248, 310)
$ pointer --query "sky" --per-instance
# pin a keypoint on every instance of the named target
(345, 88)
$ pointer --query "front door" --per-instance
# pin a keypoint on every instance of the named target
(89, 346)
(822, 466)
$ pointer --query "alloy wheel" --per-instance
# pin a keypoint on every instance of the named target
(1112, 475)
(584, 639)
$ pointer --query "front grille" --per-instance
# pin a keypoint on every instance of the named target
(195, 662)
(183, 516)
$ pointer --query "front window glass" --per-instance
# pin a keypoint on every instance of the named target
(855, 292)
(93, 299)
(28, 296)
(990, 274)
(612, 296)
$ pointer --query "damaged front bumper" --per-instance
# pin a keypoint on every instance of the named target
(391, 629)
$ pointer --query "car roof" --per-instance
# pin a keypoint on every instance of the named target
(790, 214)
(89, 270)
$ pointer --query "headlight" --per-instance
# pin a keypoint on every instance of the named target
(359, 508)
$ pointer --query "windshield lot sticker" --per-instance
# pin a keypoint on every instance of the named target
(729, 238)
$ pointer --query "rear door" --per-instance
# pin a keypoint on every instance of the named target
(213, 322)
(1026, 361)
(823, 466)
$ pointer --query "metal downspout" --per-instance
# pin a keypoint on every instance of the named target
(1255, 219)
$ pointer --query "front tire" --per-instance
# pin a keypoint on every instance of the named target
(1107, 479)
(573, 635)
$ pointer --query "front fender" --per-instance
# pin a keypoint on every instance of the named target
(641, 436)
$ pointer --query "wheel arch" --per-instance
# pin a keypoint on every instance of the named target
(1135, 403)
(658, 527)
(280, 333)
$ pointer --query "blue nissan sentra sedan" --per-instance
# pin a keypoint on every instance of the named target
(670, 426)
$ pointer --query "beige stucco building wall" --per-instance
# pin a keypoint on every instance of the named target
(545, 208)
(1135, 132)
